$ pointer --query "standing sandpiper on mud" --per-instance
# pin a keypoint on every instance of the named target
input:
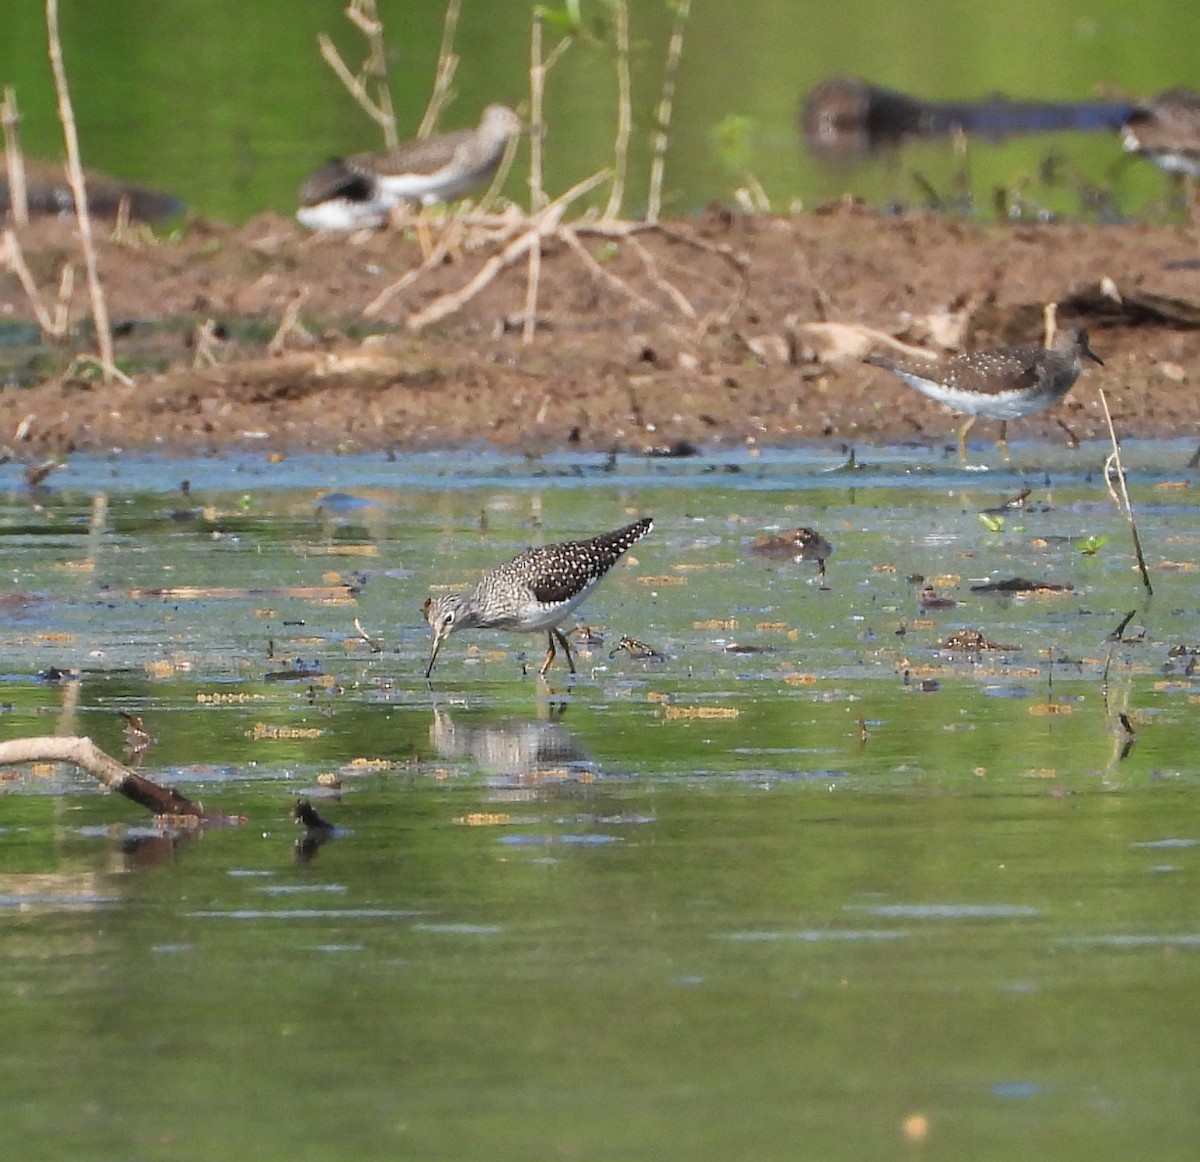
(997, 383)
(350, 193)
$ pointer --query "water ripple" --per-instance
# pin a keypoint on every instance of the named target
(1137, 940)
(307, 914)
(814, 935)
(1167, 843)
(946, 911)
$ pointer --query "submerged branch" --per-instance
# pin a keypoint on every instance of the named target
(87, 756)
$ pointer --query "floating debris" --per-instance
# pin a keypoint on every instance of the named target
(1118, 634)
(295, 670)
(1021, 585)
(676, 450)
(684, 712)
(930, 598)
(1013, 502)
(802, 544)
(971, 641)
(845, 117)
(376, 646)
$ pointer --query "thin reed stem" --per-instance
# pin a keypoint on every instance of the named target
(538, 68)
(624, 110)
(66, 116)
(14, 159)
(447, 66)
(666, 107)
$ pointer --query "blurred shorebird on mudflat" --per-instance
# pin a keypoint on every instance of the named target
(1166, 130)
(350, 193)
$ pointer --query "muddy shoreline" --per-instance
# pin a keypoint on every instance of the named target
(716, 331)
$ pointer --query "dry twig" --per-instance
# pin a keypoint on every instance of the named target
(290, 325)
(668, 288)
(479, 226)
(54, 327)
(378, 104)
(571, 238)
(499, 178)
(537, 191)
(540, 225)
(375, 644)
(205, 340)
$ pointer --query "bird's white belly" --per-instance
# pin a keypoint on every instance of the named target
(536, 617)
(1000, 406)
(1178, 163)
(343, 214)
(411, 187)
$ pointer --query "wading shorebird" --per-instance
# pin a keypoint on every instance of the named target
(997, 383)
(533, 592)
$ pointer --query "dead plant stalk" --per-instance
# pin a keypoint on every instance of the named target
(538, 68)
(54, 326)
(377, 105)
(540, 225)
(14, 159)
(537, 191)
(75, 179)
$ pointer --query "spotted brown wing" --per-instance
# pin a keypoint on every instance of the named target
(563, 571)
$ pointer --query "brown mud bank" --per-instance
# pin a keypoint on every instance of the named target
(719, 330)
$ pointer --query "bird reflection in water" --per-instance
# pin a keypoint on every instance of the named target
(516, 753)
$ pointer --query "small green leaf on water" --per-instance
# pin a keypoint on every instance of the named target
(1090, 546)
(992, 522)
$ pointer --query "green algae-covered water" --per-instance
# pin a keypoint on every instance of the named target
(813, 884)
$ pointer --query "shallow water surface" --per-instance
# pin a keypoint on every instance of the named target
(811, 876)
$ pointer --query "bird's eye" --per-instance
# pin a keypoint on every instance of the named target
(448, 617)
